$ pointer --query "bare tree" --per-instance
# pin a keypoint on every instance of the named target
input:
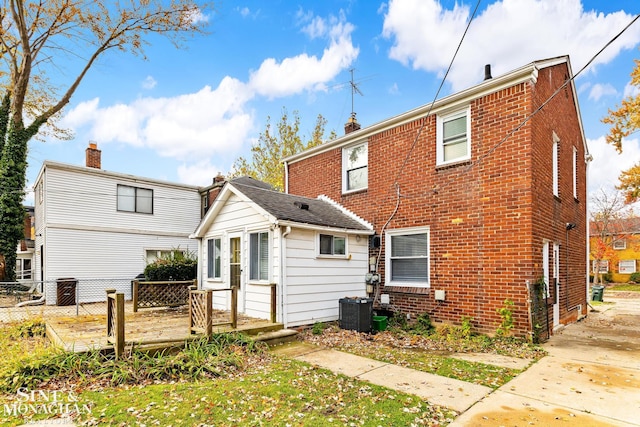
(42, 37)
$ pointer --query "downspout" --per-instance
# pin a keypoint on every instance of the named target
(286, 184)
(199, 264)
(283, 270)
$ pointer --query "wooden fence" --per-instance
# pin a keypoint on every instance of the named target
(115, 321)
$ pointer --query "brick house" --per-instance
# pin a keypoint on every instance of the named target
(477, 198)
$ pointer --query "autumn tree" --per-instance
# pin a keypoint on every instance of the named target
(274, 145)
(611, 221)
(41, 38)
(624, 121)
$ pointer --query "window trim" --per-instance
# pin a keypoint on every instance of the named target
(211, 273)
(615, 245)
(389, 234)
(603, 265)
(252, 278)
(345, 171)
(441, 119)
(575, 172)
(635, 267)
(332, 254)
(135, 199)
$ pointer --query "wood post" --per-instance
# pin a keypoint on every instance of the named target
(115, 320)
(134, 295)
(209, 315)
(234, 307)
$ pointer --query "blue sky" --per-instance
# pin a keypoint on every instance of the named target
(185, 115)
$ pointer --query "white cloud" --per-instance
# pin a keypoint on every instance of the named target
(600, 90)
(186, 127)
(393, 90)
(199, 173)
(245, 12)
(149, 82)
(304, 72)
(508, 34)
(316, 28)
(607, 164)
(631, 90)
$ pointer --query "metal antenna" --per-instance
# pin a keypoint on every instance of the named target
(354, 90)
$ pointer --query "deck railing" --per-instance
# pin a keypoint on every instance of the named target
(201, 310)
(160, 294)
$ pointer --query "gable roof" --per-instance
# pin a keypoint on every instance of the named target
(525, 73)
(287, 209)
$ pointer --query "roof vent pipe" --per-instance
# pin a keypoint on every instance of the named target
(487, 72)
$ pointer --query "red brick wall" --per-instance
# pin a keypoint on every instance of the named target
(487, 217)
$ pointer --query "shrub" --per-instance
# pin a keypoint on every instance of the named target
(506, 313)
(607, 277)
(635, 277)
(423, 325)
(318, 328)
(176, 265)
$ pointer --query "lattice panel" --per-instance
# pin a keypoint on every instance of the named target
(111, 318)
(163, 294)
(199, 311)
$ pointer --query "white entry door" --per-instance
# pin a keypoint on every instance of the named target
(556, 282)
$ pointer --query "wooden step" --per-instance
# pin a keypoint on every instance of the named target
(280, 336)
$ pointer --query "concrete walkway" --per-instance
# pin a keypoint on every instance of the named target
(591, 377)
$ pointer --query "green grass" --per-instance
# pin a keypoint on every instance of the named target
(226, 382)
(633, 287)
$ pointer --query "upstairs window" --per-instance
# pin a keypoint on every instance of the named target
(259, 256)
(134, 199)
(332, 245)
(620, 245)
(453, 134)
(355, 168)
(214, 251)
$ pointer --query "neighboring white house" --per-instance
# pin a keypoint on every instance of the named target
(94, 224)
(313, 250)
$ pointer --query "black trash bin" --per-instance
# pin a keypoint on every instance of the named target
(356, 314)
(597, 293)
(66, 291)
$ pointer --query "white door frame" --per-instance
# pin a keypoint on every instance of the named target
(242, 262)
(556, 280)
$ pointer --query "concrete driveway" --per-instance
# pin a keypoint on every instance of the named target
(591, 376)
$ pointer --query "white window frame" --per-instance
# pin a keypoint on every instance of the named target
(256, 276)
(345, 167)
(212, 272)
(628, 268)
(554, 163)
(332, 254)
(604, 266)
(619, 245)
(138, 207)
(389, 235)
(440, 122)
(575, 172)
(22, 272)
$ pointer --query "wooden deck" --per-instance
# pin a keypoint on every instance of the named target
(84, 332)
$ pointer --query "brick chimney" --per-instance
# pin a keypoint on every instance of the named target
(352, 124)
(93, 156)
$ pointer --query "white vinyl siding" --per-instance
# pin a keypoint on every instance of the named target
(355, 167)
(453, 137)
(407, 257)
(81, 234)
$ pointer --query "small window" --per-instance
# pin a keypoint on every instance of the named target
(23, 269)
(620, 245)
(453, 134)
(601, 267)
(332, 245)
(554, 160)
(259, 256)
(407, 257)
(627, 266)
(214, 258)
(134, 199)
(355, 168)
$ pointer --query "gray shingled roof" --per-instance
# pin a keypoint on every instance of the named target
(287, 207)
